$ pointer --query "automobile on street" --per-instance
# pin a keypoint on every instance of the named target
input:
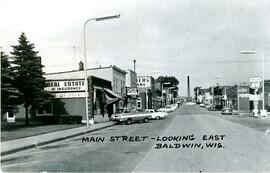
(156, 115)
(226, 111)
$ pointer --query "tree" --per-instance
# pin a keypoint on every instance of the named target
(171, 79)
(9, 93)
(29, 75)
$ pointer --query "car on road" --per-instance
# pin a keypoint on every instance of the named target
(207, 106)
(156, 115)
(129, 117)
(211, 108)
(227, 111)
(202, 105)
(166, 109)
(190, 103)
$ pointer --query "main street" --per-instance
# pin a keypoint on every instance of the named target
(193, 140)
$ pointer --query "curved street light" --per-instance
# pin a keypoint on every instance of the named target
(85, 63)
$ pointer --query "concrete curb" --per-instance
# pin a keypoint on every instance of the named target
(53, 140)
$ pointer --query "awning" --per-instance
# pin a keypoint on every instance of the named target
(111, 97)
(112, 94)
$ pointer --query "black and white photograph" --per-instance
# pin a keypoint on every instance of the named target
(135, 85)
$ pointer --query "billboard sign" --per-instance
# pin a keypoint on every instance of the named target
(70, 95)
(132, 91)
(65, 85)
(255, 82)
(255, 97)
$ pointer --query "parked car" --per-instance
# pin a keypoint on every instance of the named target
(227, 111)
(211, 108)
(207, 106)
(156, 115)
(190, 103)
(129, 118)
(202, 105)
(166, 109)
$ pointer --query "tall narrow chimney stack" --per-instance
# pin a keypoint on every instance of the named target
(188, 87)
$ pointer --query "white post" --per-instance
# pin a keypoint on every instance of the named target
(146, 93)
(263, 111)
(238, 99)
(85, 64)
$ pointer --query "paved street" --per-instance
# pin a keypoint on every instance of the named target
(189, 139)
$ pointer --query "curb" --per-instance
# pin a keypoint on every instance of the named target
(53, 140)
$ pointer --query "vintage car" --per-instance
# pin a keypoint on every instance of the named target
(156, 115)
(131, 117)
(227, 111)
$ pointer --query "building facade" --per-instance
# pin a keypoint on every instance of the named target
(146, 88)
(104, 83)
(132, 90)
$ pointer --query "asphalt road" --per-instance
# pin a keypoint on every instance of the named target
(189, 139)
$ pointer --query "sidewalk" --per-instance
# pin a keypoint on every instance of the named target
(16, 145)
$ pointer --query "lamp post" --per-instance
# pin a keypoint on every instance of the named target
(166, 83)
(263, 111)
(85, 62)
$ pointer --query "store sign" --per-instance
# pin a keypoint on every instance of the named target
(70, 95)
(255, 97)
(132, 91)
(65, 85)
(244, 95)
(255, 83)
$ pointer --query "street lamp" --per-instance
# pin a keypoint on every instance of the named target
(263, 111)
(166, 83)
(85, 63)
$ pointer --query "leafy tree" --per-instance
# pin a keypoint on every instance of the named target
(9, 94)
(171, 79)
(29, 75)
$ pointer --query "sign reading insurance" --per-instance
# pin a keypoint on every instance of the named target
(65, 86)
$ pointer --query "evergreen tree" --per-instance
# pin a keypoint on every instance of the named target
(9, 94)
(29, 75)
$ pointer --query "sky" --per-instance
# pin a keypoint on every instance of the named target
(197, 38)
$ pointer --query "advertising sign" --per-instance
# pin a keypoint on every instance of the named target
(255, 97)
(65, 85)
(255, 83)
(132, 91)
(70, 95)
(244, 95)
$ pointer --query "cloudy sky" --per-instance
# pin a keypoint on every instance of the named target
(199, 38)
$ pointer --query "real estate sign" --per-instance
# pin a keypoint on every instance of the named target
(65, 85)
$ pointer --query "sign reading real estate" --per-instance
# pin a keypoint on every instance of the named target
(65, 85)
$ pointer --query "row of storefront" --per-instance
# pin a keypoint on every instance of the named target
(238, 97)
(110, 90)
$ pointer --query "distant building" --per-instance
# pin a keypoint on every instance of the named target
(132, 90)
(146, 87)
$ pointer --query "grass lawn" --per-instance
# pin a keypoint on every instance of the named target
(19, 130)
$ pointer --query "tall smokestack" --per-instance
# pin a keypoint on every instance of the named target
(134, 61)
(188, 87)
